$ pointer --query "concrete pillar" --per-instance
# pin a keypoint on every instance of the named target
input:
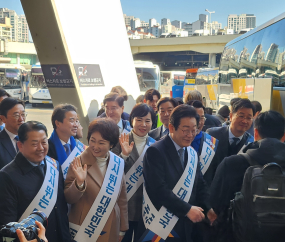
(18, 59)
(212, 60)
(81, 62)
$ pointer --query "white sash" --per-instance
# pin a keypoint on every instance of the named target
(78, 149)
(134, 177)
(209, 148)
(103, 205)
(47, 195)
(163, 221)
(127, 128)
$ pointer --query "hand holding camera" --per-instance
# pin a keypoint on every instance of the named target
(41, 234)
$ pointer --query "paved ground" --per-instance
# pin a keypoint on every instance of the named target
(41, 113)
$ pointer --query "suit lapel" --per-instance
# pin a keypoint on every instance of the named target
(7, 143)
(93, 168)
(173, 154)
(134, 154)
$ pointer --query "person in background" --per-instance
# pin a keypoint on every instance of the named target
(140, 99)
(23, 178)
(151, 98)
(211, 121)
(165, 106)
(3, 95)
(114, 107)
(232, 102)
(120, 91)
(223, 114)
(82, 188)
(79, 133)
(268, 146)
(64, 121)
(179, 100)
(258, 109)
(131, 148)
(209, 111)
(231, 138)
(12, 113)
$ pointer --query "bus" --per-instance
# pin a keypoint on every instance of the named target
(168, 79)
(148, 75)
(38, 91)
(252, 66)
(189, 80)
(13, 79)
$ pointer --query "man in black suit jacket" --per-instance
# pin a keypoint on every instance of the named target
(165, 106)
(233, 137)
(12, 113)
(163, 167)
(21, 180)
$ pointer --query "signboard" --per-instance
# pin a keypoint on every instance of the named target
(89, 75)
(58, 76)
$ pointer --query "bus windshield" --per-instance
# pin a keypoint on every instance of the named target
(10, 78)
(147, 78)
(207, 77)
(38, 81)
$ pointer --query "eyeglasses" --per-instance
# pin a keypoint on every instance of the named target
(165, 111)
(240, 116)
(192, 132)
(112, 109)
(203, 119)
(22, 115)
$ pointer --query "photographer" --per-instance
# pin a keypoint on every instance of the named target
(41, 234)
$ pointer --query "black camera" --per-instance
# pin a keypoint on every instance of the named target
(27, 225)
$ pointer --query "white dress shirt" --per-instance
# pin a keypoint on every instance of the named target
(231, 136)
(12, 137)
(120, 125)
(63, 143)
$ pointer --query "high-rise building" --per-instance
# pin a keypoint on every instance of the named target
(20, 29)
(152, 22)
(165, 21)
(128, 19)
(203, 17)
(243, 21)
(135, 23)
(5, 28)
(177, 24)
(155, 30)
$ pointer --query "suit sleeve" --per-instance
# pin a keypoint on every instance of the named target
(8, 200)
(52, 151)
(156, 185)
(203, 194)
(219, 189)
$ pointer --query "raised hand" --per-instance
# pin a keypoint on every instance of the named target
(80, 173)
(125, 146)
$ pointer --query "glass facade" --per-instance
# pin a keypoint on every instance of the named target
(261, 55)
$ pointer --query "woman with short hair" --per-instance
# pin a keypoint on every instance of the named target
(132, 148)
(95, 187)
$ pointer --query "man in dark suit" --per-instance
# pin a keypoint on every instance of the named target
(65, 123)
(114, 107)
(164, 106)
(22, 179)
(233, 137)
(12, 113)
(164, 164)
(268, 147)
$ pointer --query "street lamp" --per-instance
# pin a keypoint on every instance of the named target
(210, 20)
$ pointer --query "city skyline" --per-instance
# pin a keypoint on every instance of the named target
(159, 9)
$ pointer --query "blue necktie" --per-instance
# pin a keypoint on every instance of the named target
(67, 149)
(42, 169)
(16, 139)
(181, 156)
(166, 132)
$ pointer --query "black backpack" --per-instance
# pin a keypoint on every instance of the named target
(258, 210)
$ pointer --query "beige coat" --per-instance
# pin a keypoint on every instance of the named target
(81, 201)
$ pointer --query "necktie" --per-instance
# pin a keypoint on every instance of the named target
(67, 149)
(181, 156)
(234, 144)
(16, 139)
(166, 132)
(42, 169)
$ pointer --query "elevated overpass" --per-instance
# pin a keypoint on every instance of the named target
(181, 53)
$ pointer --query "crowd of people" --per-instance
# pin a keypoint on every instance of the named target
(167, 170)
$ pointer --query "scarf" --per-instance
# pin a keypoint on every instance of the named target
(60, 151)
(197, 141)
